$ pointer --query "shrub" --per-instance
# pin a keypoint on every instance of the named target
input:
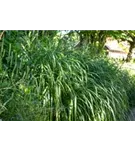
(42, 81)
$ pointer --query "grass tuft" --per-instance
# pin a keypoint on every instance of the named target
(43, 81)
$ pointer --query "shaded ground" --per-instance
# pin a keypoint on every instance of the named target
(130, 67)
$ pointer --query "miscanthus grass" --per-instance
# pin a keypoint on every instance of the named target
(42, 81)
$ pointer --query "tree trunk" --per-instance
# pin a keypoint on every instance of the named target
(80, 44)
(129, 56)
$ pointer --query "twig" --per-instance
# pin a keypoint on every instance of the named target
(1, 34)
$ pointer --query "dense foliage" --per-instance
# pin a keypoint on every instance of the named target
(43, 78)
